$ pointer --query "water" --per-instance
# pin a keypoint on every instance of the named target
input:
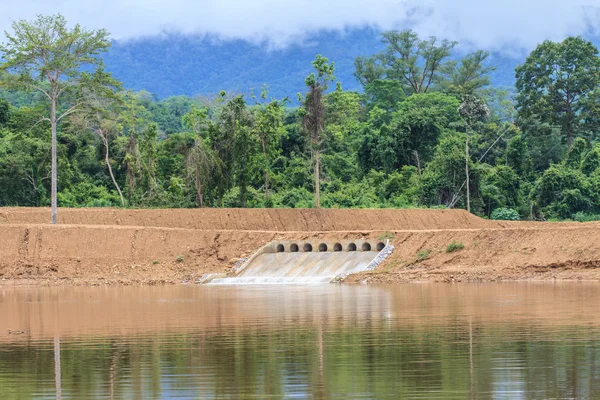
(492, 341)
(300, 268)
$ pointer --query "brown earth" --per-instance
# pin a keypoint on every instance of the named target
(111, 246)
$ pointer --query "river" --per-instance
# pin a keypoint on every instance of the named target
(479, 341)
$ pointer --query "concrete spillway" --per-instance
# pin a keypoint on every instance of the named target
(289, 262)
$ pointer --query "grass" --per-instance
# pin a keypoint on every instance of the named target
(454, 246)
(583, 217)
(423, 255)
(386, 235)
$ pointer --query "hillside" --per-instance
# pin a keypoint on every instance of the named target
(186, 65)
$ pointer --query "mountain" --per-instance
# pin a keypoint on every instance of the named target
(174, 64)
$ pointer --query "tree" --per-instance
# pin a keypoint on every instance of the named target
(236, 145)
(472, 109)
(559, 84)
(313, 118)
(46, 55)
(100, 116)
(471, 74)
(148, 148)
(133, 119)
(201, 160)
(4, 112)
(412, 133)
(418, 64)
(268, 123)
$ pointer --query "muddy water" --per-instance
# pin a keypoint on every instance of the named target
(493, 341)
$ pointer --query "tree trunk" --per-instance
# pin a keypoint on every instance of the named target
(418, 162)
(266, 171)
(467, 169)
(199, 195)
(317, 179)
(53, 190)
(110, 171)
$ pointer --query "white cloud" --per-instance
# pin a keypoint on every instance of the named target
(490, 24)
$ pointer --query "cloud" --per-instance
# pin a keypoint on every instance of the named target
(489, 24)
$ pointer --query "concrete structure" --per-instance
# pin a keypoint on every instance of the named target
(306, 261)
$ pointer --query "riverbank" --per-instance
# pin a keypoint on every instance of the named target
(123, 247)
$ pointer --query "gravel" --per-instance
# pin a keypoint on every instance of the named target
(383, 254)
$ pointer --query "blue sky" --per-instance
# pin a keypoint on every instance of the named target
(488, 24)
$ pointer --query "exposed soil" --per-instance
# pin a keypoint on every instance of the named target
(272, 220)
(111, 246)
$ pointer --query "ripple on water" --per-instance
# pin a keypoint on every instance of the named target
(405, 341)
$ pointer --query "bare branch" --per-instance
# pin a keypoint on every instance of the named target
(69, 111)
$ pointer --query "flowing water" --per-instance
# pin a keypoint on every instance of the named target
(300, 268)
(488, 341)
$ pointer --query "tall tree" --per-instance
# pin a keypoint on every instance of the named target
(472, 109)
(46, 55)
(418, 64)
(313, 117)
(201, 160)
(133, 120)
(559, 83)
(470, 74)
(268, 123)
(101, 116)
(235, 146)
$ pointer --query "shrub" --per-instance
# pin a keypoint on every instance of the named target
(423, 254)
(583, 217)
(386, 235)
(180, 258)
(505, 214)
(454, 246)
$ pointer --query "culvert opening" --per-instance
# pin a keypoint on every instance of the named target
(294, 248)
(366, 246)
(351, 247)
(307, 247)
(322, 247)
(337, 247)
(380, 246)
(280, 248)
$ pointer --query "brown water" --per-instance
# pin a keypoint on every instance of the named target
(492, 341)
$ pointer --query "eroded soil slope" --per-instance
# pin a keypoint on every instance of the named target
(275, 220)
(100, 246)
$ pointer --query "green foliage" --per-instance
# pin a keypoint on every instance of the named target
(423, 255)
(583, 217)
(401, 143)
(561, 192)
(505, 214)
(386, 235)
(87, 194)
(558, 84)
(454, 246)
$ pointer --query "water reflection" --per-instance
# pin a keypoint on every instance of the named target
(501, 341)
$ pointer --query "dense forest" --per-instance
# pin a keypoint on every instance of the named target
(425, 130)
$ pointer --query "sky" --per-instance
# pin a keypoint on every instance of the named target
(488, 24)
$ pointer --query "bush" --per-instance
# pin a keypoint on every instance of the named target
(583, 217)
(454, 246)
(423, 254)
(505, 214)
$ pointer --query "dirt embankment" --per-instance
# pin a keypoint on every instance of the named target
(109, 246)
(271, 220)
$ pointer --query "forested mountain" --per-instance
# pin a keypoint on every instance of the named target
(388, 120)
(172, 65)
